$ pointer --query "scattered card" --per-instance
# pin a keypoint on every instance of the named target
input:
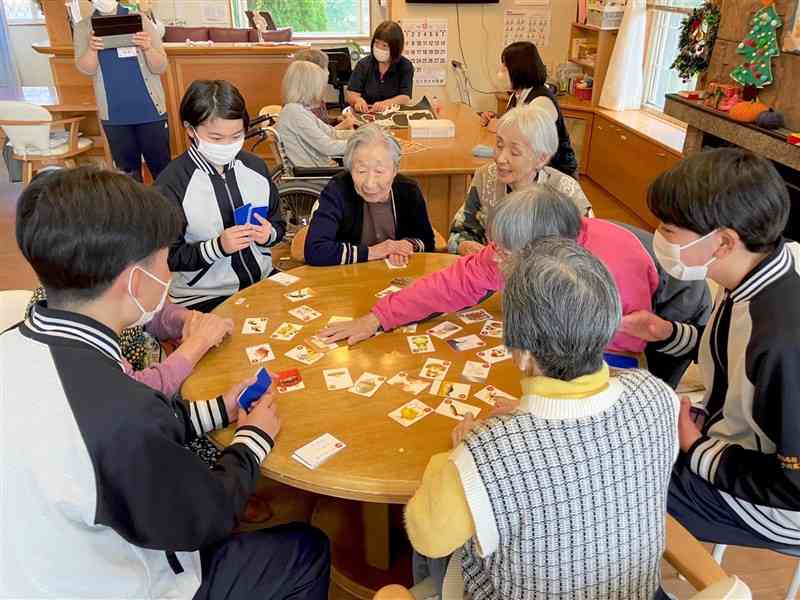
(321, 344)
(456, 410)
(260, 354)
(318, 451)
(490, 394)
(420, 344)
(304, 354)
(444, 330)
(335, 319)
(402, 282)
(389, 290)
(284, 278)
(289, 381)
(391, 266)
(337, 379)
(435, 368)
(367, 384)
(495, 355)
(450, 389)
(254, 325)
(410, 413)
(286, 332)
(408, 384)
(299, 295)
(476, 371)
(305, 313)
(467, 342)
(408, 328)
(475, 315)
(492, 329)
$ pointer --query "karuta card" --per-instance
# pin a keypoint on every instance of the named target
(466, 342)
(435, 368)
(490, 394)
(476, 371)
(408, 328)
(410, 413)
(444, 330)
(334, 319)
(321, 344)
(420, 344)
(288, 381)
(450, 389)
(254, 325)
(284, 278)
(367, 384)
(402, 282)
(389, 290)
(457, 410)
(337, 379)
(492, 329)
(408, 384)
(305, 313)
(318, 451)
(304, 354)
(299, 295)
(260, 354)
(495, 355)
(286, 332)
(474, 316)
(391, 266)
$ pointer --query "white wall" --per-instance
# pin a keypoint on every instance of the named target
(32, 68)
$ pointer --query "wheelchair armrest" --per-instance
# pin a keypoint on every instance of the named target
(316, 171)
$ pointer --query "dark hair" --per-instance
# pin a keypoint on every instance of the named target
(391, 33)
(525, 67)
(726, 187)
(206, 99)
(80, 228)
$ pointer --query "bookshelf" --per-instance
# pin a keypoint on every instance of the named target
(604, 39)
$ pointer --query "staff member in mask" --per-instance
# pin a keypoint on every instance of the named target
(385, 77)
(127, 85)
(215, 257)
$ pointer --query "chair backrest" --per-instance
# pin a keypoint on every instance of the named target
(12, 307)
(179, 35)
(271, 25)
(26, 139)
(340, 65)
(279, 151)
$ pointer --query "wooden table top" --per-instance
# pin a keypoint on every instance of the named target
(383, 461)
(61, 99)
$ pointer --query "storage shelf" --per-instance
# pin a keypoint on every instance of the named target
(595, 28)
(583, 63)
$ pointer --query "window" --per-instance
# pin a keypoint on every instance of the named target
(664, 21)
(318, 18)
(22, 11)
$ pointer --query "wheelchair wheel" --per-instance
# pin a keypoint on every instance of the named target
(298, 202)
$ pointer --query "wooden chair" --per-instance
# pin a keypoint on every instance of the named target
(682, 551)
(28, 127)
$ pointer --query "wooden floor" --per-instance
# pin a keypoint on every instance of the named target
(768, 574)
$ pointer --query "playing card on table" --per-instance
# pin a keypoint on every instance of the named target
(337, 379)
(444, 330)
(286, 332)
(456, 410)
(288, 381)
(304, 354)
(321, 344)
(493, 329)
(435, 368)
(299, 295)
(318, 451)
(408, 384)
(408, 328)
(475, 315)
(389, 290)
(391, 266)
(284, 278)
(490, 394)
(475, 371)
(367, 384)
(495, 355)
(410, 413)
(305, 313)
(420, 344)
(467, 342)
(335, 319)
(450, 389)
(260, 354)
(254, 325)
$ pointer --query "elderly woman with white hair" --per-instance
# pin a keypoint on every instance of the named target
(526, 141)
(307, 140)
(369, 212)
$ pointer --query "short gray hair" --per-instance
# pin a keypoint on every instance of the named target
(561, 305)
(371, 134)
(304, 83)
(536, 125)
(536, 211)
(313, 55)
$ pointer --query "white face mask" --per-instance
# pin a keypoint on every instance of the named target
(218, 154)
(669, 257)
(147, 315)
(105, 6)
(381, 55)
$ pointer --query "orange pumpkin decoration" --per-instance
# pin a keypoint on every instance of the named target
(747, 112)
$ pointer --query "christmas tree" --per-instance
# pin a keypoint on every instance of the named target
(759, 48)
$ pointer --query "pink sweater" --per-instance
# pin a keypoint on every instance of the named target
(470, 279)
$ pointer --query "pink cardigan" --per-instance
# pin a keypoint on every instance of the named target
(470, 279)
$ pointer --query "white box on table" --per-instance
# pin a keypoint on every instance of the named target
(436, 128)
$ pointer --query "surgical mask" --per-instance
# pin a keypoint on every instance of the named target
(147, 315)
(381, 55)
(218, 154)
(503, 79)
(105, 6)
(669, 257)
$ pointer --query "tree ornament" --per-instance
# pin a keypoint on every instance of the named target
(698, 34)
(757, 68)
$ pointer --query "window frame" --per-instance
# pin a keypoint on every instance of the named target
(238, 8)
(10, 21)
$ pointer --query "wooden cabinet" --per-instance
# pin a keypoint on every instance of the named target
(579, 126)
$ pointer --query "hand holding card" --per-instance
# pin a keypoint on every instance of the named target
(255, 391)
